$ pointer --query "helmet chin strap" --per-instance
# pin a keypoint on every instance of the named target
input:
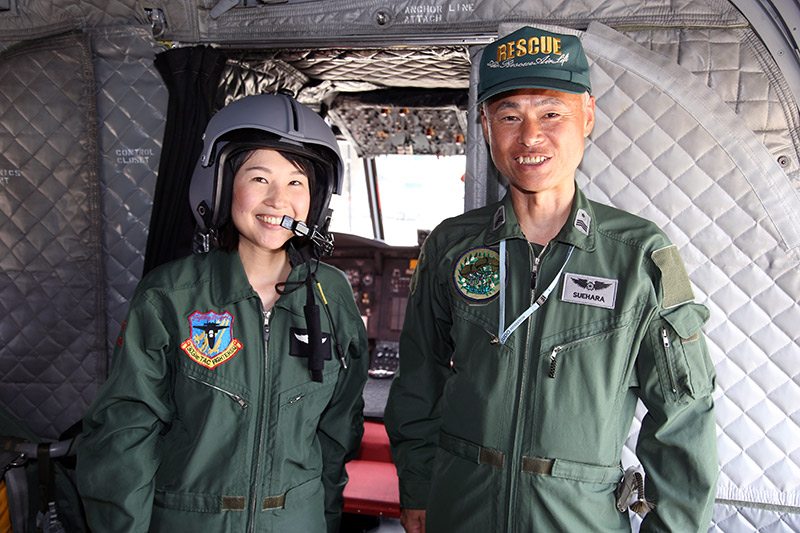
(299, 228)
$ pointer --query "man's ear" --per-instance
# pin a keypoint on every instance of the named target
(589, 113)
(484, 122)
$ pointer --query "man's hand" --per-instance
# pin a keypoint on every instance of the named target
(413, 520)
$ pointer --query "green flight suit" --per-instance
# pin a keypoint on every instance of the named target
(527, 435)
(202, 426)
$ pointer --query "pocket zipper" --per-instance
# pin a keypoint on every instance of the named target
(559, 348)
(235, 397)
(494, 339)
(665, 339)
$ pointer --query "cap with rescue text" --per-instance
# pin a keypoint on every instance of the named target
(531, 58)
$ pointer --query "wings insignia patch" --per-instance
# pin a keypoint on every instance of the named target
(589, 290)
(591, 285)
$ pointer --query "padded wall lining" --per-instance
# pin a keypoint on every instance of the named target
(52, 311)
(132, 107)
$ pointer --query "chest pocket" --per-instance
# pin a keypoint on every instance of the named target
(581, 386)
(684, 367)
(298, 420)
(473, 324)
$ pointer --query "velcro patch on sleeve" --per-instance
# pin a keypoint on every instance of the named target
(674, 280)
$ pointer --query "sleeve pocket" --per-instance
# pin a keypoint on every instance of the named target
(685, 368)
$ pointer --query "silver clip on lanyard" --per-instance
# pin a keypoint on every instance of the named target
(504, 335)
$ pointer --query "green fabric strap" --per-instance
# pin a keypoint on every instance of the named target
(674, 279)
(471, 452)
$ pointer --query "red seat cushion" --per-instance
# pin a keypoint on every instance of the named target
(375, 443)
(372, 489)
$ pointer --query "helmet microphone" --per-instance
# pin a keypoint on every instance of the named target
(299, 228)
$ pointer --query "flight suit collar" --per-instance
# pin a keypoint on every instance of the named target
(579, 229)
(229, 283)
(503, 223)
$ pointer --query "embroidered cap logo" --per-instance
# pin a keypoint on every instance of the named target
(531, 58)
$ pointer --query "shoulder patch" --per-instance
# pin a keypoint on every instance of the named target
(675, 282)
(211, 341)
(477, 274)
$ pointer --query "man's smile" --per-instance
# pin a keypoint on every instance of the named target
(531, 159)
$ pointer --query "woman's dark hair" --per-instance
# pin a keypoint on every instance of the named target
(228, 238)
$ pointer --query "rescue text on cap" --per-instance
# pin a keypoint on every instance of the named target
(531, 58)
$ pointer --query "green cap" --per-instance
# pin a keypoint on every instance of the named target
(531, 58)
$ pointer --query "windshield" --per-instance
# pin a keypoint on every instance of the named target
(415, 193)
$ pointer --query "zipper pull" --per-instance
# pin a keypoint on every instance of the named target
(534, 273)
(665, 340)
(553, 362)
(266, 324)
(238, 399)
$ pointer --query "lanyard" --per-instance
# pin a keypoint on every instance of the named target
(504, 335)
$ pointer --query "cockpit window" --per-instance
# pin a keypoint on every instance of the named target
(416, 192)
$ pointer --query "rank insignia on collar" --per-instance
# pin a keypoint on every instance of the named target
(499, 218)
(477, 274)
(583, 221)
(211, 342)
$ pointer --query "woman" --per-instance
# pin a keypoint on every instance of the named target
(234, 397)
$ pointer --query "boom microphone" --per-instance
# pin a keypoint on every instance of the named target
(299, 228)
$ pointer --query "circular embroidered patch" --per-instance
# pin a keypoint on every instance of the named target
(477, 274)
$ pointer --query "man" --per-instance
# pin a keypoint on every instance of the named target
(533, 327)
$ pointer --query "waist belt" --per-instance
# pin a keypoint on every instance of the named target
(559, 468)
(471, 452)
(538, 466)
(564, 469)
(239, 503)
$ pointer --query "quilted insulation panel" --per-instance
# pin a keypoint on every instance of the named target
(30, 19)
(84, 192)
(52, 312)
(364, 21)
(132, 109)
(722, 181)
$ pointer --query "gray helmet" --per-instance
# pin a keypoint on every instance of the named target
(263, 121)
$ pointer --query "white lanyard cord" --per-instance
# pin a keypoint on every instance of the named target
(504, 335)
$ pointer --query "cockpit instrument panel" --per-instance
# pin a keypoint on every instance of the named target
(380, 276)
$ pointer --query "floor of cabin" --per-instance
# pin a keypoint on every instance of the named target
(370, 524)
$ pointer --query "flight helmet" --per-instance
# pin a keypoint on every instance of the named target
(262, 121)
